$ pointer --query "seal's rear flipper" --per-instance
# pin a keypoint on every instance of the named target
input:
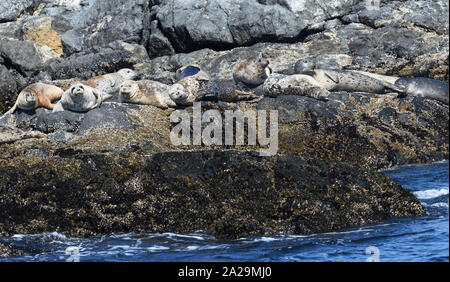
(396, 88)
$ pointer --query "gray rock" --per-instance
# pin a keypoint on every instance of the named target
(11, 10)
(101, 118)
(98, 61)
(22, 55)
(158, 44)
(98, 23)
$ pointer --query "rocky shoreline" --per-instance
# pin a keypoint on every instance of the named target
(114, 169)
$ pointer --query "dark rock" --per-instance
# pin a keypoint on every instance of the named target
(49, 122)
(225, 193)
(98, 61)
(101, 118)
(8, 89)
(158, 44)
(97, 23)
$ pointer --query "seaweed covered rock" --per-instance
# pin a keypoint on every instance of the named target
(226, 193)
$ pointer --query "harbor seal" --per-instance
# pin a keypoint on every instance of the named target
(297, 84)
(252, 72)
(109, 83)
(192, 70)
(345, 80)
(189, 90)
(79, 98)
(424, 87)
(146, 92)
(37, 95)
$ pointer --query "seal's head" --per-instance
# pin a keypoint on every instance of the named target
(128, 89)
(262, 62)
(77, 92)
(178, 93)
(128, 74)
(305, 66)
(27, 100)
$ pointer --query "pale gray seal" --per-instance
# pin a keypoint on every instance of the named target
(80, 98)
(345, 80)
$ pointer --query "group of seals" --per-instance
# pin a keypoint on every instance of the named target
(359, 81)
(194, 84)
(80, 97)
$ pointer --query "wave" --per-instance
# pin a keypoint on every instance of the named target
(431, 193)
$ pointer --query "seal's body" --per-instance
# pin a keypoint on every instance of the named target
(425, 87)
(345, 80)
(190, 90)
(297, 84)
(37, 95)
(80, 98)
(146, 92)
(252, 72)
(109, 83)
(350, 81)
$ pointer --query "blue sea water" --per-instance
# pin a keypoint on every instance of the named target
(410, 239)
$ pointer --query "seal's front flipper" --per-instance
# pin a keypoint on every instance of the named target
(333, 77)
(12, 110)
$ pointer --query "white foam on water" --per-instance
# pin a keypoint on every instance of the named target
(431, 193)
(192, 248)
(440, 205)
(189, 236)
(157, 248)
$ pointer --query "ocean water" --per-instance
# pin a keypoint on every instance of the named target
(405, 240)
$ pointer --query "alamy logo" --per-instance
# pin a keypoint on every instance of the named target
(373, 253)
(227, 132)
(74, 254)
(372, 4)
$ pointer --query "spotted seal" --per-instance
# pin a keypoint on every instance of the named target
(146, 92)
(190, 90)
(252, 72)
